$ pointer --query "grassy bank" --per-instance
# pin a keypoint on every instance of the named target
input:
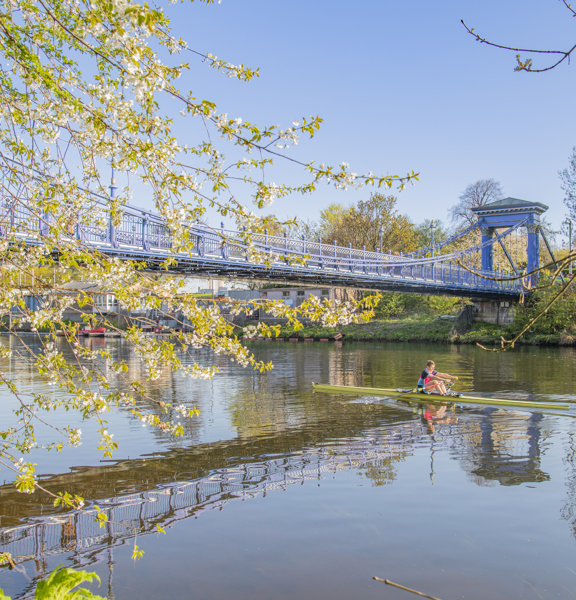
(400, 330)
(426, 329)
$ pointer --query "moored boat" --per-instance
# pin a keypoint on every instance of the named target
(98, 331)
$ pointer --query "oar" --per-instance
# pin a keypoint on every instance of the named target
(411, 391)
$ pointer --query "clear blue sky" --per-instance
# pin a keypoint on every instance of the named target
(401, 86)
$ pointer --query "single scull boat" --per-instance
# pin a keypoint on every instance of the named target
(427, 398)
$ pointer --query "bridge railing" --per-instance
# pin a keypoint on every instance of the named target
(326, 256)
(317, 248)
(14, 216)
(146, 233)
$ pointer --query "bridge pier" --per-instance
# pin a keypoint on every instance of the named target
(497, 312)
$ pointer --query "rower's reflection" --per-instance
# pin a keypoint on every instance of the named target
(433, 413)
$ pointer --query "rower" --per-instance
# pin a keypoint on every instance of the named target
(430, 380)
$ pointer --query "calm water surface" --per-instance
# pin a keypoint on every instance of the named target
(279, 492)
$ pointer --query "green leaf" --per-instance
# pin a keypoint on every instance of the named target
(59, 584)
(137, 553)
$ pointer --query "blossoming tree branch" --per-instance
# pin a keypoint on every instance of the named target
(82, 86)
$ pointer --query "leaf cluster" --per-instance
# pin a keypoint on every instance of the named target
(60, 585)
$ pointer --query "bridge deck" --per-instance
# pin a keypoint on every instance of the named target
(143, 236)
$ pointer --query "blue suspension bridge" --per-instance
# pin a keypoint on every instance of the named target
(143, 236)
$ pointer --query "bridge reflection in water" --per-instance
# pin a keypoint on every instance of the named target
(169, 502)
(492, 447)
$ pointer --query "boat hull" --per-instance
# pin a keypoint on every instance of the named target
(428, 398)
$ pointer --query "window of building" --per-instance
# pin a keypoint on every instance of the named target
(325, 292)
(285, 294)
(300, 292)
(265, 294)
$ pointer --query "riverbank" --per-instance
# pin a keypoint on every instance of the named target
(426, 329)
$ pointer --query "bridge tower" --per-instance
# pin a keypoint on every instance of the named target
(506, 213)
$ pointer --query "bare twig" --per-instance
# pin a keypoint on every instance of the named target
(527, 64)
(7, 558)
(388, 582)
(569, 7)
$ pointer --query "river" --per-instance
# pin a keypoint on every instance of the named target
(275, 491)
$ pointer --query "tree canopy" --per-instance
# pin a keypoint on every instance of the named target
(424, 232)
(373, 223)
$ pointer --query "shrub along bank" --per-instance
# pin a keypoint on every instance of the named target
(410, 318)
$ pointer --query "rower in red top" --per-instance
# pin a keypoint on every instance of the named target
(430, 380)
